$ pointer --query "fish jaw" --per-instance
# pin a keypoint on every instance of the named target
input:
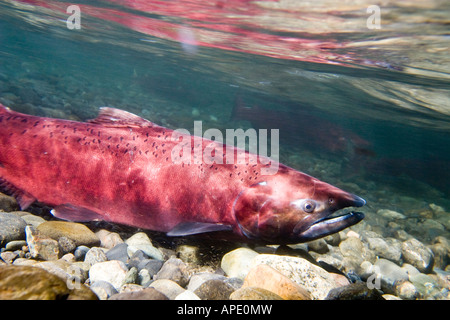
(264, 213)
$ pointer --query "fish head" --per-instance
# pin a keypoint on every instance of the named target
(294, 208)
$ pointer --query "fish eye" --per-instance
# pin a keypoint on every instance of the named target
(330, 200)
(308, 206)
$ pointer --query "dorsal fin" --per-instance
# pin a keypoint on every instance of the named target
(112, 117)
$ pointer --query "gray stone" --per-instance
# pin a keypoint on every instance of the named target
(119, 252)
(390, 274)
(319, 246)
(104, 290)
(152, 266)
(66, 245)
(214, 290)
(80, 253)
(95, 255)
(12, 228)
(15, 245)
(390, 249)
(354, 291)
(417, 254)
(174, 269)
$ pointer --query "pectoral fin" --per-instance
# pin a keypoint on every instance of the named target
(74, 213)
(190, 228)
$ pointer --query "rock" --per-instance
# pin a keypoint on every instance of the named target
(426, 286)
(144, 278)
(114, 272)
(319, 246)
(314, 279)
(15, 245)
(119, 252)
(33, 220)
(66, 245)
(196, 280)
(95, 255)
(405, 290)
(167, 287)
(41, 247)
(152, 266)
(145, 294)
(132, 276)
(390, 249)
(189, 254)
(390, 214)
(333, 239)
(237, 262)
(103, 289)
(266, 277)
(354, 291)
(31, 283)
(77, 232)
(12, 228)
(108, 239)
(8, 203)
(214, 290)
(187, 295)
(80, 252)
(140, 241)
(8, 256)
(417, 254)
(390, 274)
(354, 253)
(441, 252)
(254, 293)
(174, 269)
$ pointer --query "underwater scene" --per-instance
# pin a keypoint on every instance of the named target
(123, 126)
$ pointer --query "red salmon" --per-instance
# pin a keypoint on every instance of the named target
(119, 168)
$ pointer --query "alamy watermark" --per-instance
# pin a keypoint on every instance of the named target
(374, 20)
(74, 20)
(191, 150)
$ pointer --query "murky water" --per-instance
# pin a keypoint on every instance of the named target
(365, 109)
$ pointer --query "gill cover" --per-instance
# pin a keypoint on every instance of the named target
(260, 216)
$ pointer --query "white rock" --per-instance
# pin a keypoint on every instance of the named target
(167, 287)
(187, 295)
(114, 272)
(390, 214)
(140, 241)
(237, 262)
(314, 279)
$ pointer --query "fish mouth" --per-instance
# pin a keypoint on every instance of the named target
(330, 225)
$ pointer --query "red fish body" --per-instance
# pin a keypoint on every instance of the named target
(119, 168)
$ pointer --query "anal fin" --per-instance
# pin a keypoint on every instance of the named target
(23, 198)
(190, 228)
(74, 213)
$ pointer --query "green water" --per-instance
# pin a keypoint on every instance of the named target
(388, 87)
